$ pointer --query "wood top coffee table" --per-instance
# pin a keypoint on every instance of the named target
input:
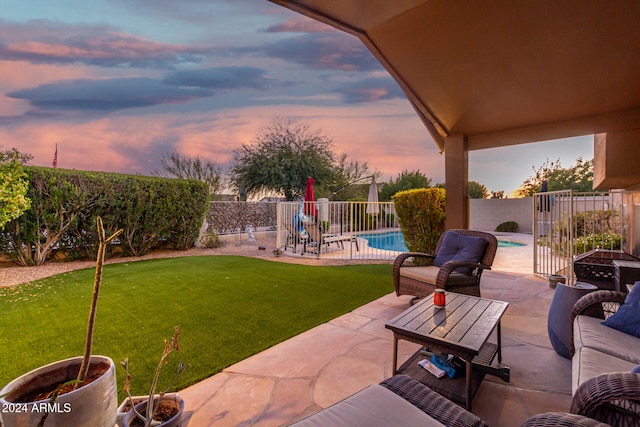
(461, 328)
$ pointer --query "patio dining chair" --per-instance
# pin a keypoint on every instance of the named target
(319, 239)
(457, 265)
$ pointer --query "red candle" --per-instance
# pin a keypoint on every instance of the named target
(439, 299)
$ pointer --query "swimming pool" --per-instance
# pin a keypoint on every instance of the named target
(394, 241)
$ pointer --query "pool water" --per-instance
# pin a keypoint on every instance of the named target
(394, 241)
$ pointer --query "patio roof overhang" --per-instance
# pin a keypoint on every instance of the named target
(497, 73)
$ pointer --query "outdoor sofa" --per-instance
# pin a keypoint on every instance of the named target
(606, 357)
(402, 401)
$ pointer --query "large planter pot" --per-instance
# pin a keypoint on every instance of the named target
(559, 319)
(93, 405)
(173, 401)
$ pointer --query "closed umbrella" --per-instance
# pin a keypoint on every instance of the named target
(373, 208)
(309, 199)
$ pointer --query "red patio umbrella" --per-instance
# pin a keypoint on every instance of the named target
(309, 199)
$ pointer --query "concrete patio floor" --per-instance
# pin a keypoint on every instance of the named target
(332, 361)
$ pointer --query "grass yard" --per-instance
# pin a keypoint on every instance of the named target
(228, 308)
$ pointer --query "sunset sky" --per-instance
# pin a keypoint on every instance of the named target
(118, 83)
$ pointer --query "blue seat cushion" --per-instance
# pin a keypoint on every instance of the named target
(458, 247)
(627, 318)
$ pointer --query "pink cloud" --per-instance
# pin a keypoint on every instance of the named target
(299, 24)
(134, 144)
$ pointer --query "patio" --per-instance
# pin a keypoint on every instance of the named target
(332, 361)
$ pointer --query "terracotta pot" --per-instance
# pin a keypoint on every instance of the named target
(93, 405)
(554, 279)
(173, 400)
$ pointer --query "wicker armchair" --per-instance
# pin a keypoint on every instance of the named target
(444, 277)
(614, 397)
(561, 419)
(431, 403)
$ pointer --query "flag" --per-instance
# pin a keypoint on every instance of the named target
(55, 157)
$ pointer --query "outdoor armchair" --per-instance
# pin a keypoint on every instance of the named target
(397, 401)
(457, 265)
(562, 419)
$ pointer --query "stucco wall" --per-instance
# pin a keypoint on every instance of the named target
(486, 214)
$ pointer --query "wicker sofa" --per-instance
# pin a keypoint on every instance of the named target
(603, 384)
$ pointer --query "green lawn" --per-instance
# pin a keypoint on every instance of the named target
(228, 308)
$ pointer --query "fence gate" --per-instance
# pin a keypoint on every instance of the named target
(567, 223)
(553, 240)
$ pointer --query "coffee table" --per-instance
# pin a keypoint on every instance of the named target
(461, 328)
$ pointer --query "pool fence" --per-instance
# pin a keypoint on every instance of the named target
(345, 229)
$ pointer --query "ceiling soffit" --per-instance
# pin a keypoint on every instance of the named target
(503, 72)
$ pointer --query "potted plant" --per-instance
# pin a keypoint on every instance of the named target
(160, 409)
(81, 391)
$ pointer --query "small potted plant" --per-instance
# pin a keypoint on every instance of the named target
(80, 391)
(159, 409)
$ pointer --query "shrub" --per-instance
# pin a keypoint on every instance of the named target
(210, 240)
(421, 215)
(609, 241)
(152, 211)
(507, 227)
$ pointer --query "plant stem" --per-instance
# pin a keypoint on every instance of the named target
(86, 359)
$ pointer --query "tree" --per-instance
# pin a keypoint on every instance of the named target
(347, 172)
(13, 185)
(404, 181)
(281, 159)
(497, 194)
(477, 190)
(184, 167)
(578, 177)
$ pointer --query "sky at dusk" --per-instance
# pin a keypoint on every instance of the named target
(118, 83)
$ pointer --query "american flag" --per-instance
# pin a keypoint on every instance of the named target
(55, 157)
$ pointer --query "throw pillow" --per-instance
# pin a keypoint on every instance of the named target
(627, 318)
(458, 247)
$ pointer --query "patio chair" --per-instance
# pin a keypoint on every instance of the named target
(294, 238)
(457, 265)
(318, 238)
(561, 419)
(397, 401)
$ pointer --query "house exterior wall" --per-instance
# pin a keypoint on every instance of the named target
(487, 214)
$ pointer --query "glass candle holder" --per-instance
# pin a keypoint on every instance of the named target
(439, 298)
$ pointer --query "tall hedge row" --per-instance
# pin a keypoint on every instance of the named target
(421, 215)
(154, 212)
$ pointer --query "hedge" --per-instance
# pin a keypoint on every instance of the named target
(421, 215)
(154, 212)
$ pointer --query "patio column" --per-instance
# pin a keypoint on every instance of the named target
(456, 166)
